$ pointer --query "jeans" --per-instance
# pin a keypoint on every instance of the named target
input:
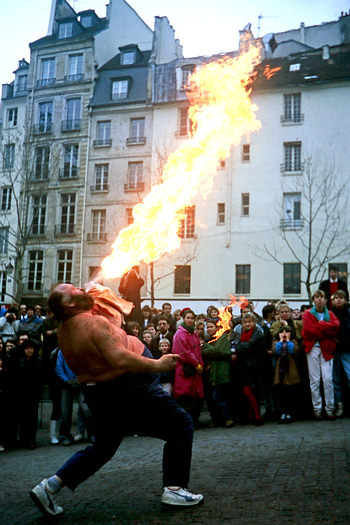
(69, 393)
(133, 403)
(220, 398)
(345, 361)
(337, 367)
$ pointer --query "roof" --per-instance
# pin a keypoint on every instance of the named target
(86, 32)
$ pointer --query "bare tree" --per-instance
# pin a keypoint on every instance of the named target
(316, 232)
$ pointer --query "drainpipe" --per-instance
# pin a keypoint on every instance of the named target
(84, 201)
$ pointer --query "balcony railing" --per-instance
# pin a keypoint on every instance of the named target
(99, 187)
(74, 78)
(292, 170)
(291, 224)
(102, 143)
(71, 125)
(68, 173)
(65, 229)
(96, 237)
(21, 89)
(296, 119)
(43, 82)
(135, 141)
(45, 127)
(134, 186)
(37, 231)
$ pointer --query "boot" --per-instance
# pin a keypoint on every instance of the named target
(53, 432)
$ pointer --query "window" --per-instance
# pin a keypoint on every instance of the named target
(137, 131)
(291, 278)
(245, 204)
(342, 270)
(292, 106)
(12, 115)
(292, 211)
(4, 238)
(64, 268)
(187, 224)
(45, 117)
(182, 280)
(72, 121)
(129, 217)
(222, 164)
(128, 58)
(103, 133)
(221, 213)
(135, 174)
(101, 177)
(186, 74)
(3, 279)
(184, 123)
(36, 261)
(71, 153)
(22, 83)
(67, 213)
(41, 163)
(245, 153)
(120, 89)
(9, 156)
(65, 30)
(292, 156)
(39, 214)
(98, 225)
(6, 198)
(47, 72)
(242, 278)
(75, 68)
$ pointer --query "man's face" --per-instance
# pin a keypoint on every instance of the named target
(30, 312)
(23, 309)
(333, 274)
(320, 303)
(211, 329)
(75, 297)
(29, 351)
(167, 309)
(22, 338)
(338, 302)
(285, 314)
(38, 309)
(163, 326)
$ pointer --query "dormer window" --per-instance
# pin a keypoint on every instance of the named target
(65, 30)
(128, 58)
(120, 89)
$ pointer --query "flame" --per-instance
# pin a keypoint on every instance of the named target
(269, 72)
(221, 113)
(225, 316)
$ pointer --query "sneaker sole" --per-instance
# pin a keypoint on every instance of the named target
(40, 506)
(182, 504)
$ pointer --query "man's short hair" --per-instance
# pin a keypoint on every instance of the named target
(334, 268)
(340, 293)
(166, 304)
(163, 317)
(146, 308)
(268, 309)
(319, 293)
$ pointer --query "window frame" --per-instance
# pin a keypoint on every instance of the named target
(294, 288)
(39, 208)
(120, 94)
(243, 279)
(245, 204)
(187, 224)
(221, 214)
(35, 269)
(64, 265)
(6, 198)
(182, 279)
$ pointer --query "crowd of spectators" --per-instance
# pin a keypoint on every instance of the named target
(284, 365)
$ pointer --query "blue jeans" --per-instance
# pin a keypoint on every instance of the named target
(220, 398)
(133, 403)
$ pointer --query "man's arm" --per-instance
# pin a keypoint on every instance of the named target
(108, 339)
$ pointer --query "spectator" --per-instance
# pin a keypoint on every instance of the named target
(133, 328)
(130, 286)
(152, 329)
(55, 392)
(166, 378)
(9, 326)
(23, 313)
(32, 326)
(200, 331)
(332, 285)
(147, 338)
(146, 316)
(249, 345)
(286, 376)
(71, 390)
(162, 333)
(49, 332)
(320, 328)
(217, 354)
(166, 312)
(188, 384)
(341, 360)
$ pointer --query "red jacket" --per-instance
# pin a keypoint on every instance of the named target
(322, 331)
(188, 347)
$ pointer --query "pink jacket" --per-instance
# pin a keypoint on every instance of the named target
(187, 346)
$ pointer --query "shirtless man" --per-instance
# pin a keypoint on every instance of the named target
(120, 381)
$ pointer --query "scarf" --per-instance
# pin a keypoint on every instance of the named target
(190, 329)
(326, 313)
(246, 335)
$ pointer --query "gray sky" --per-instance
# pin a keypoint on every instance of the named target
(203, 26)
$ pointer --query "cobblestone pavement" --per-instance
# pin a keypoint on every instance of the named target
(275, 474)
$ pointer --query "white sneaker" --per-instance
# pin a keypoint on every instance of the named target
(2, 448)
(45, 500)
(54, 440)
(339, 411)
(181, 497)
(78, 437)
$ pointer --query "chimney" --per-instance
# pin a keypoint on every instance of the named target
(302, 32)
(325, 52)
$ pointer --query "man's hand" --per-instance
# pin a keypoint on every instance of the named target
(167, 362)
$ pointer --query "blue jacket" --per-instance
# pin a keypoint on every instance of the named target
(62, 369)
(290, 347)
